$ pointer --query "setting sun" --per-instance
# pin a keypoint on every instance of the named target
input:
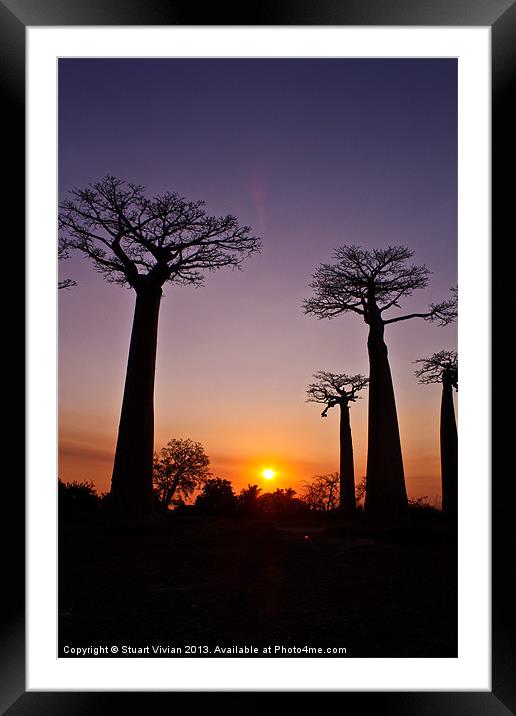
(268, 474)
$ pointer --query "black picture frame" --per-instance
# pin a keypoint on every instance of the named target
(500, 16)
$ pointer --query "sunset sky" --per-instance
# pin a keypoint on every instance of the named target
(313, 154)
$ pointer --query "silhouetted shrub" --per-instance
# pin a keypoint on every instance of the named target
(421, 509)
(77, 497)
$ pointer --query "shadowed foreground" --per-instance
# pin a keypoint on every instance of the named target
(235, 581)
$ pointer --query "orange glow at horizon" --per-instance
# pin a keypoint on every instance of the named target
(87, 446)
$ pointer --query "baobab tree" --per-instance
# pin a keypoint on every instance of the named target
(331, 389)
(372, 284)
(143, 243)
(179, 468)
(442, 368)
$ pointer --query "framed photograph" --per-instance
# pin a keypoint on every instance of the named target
(234, 229)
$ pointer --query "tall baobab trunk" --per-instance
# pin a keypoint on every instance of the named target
(449, 452)
(386, 496)
(347, 469)
(131, 484)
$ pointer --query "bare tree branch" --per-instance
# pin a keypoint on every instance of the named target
(130, 237)
(62, 255)
(440, 367)
(66, 283)
(333, 389)
(442, 313)
(322, 492)
(370, 283)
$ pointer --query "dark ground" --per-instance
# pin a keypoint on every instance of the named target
(236, 581)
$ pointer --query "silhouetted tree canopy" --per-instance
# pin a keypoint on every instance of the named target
(217, 497)
(179, 468)
(131, 238)
(372, 282)
(248, 499)
(280, 502)
(322, 492)
(440, 366)
(333, 389)
(360, 490)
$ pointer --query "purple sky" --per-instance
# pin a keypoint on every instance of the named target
(312, 154)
